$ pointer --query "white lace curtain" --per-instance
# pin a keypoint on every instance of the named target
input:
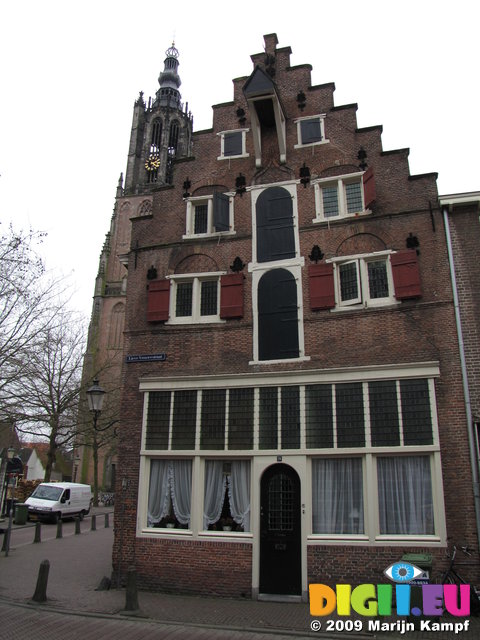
(216, 482)
(405, 495)
(169, 480)
(337, 495)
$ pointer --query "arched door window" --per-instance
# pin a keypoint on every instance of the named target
(275, 230)
(277, 316)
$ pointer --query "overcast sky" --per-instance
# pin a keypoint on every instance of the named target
(70, 73)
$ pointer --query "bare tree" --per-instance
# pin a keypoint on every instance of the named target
(43, 399)
(28, 297)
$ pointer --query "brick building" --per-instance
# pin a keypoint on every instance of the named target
(292, 407)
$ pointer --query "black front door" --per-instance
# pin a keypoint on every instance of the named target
(280, 532)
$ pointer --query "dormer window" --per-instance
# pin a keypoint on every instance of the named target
(233, 144)
(266, 113)
(310, 130)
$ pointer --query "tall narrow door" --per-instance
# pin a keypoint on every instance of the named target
(280, 532)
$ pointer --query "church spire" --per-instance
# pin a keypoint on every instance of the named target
(169, 80)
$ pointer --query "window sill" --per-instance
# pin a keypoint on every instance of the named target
(242, 155)
(414, 539)
(311, 144)
(281, 361)
(391, 304)
(206, 236)
(238, 536)
(331, 538)
(163, 532)
(342, 218)
(196, 322)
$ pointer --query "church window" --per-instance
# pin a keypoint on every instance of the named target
(116, 326)
(156, 135)
(173, 136)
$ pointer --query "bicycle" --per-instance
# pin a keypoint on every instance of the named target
(108, 499)
(451, 576)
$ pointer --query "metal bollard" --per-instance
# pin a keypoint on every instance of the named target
(107, 521)
(59, 529)
(94, 523)
(38, 532)
(40, 594)
(77, 526)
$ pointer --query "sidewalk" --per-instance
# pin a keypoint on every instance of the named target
(79, 562)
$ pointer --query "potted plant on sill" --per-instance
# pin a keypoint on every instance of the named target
(227, 524)
(169, 522)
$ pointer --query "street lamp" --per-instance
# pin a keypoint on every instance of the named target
(95, 397)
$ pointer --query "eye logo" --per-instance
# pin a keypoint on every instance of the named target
(402, 572)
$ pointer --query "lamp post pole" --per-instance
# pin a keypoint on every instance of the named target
(95, 397)
(10, 454)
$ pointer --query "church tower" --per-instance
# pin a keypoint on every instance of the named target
(161, 133)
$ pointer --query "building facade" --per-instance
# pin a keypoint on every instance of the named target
(292, 408)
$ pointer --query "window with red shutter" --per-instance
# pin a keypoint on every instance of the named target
(369, 192)
(322, 288)
(406, 274)
(158, 300)
(231, 296)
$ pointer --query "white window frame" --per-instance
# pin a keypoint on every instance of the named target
(211, 232)
(371, 507)
(301, 458)
(363, 300)
(222, 135)
(340, 182)
(256, 192)
(324, 140)
(196, 279)
(295, 267)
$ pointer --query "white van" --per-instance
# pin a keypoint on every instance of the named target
(56, 500)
